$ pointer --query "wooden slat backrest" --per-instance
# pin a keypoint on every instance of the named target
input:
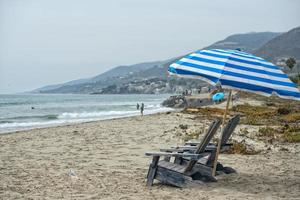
(204, 142)
(229, 128)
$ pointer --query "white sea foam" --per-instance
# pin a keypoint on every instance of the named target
(85, 115)
(152, 108)
(12, 125)
(73, 117)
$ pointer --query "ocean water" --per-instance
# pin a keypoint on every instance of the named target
(19, 112)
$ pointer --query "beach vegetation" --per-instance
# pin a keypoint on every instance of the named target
(286, 133)
(278, 120)
(183, 126)
(296, 78)
(191, 135)
(292, 137)
(254, 115)
(290, 63)
(283, 110)
(276, 114)
(268, 132)
(291, 118)
(241, 148)
(244, 131)
(291, 133)
(250, 110)
(208, 111)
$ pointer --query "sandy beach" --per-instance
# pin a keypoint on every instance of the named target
(106, 161)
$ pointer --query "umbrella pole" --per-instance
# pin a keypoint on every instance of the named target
(220, 139)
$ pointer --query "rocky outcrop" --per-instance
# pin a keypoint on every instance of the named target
(181, 101)
(178, 101)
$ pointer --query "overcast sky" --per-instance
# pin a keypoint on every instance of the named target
(54, 41)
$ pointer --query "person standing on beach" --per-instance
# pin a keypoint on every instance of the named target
(142, 109)
(137, 106)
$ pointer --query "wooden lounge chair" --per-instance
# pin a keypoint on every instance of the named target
(208, 160)
(179, 175)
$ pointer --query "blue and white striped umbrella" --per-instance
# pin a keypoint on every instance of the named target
(238, 70)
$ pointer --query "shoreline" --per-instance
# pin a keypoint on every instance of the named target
(82, 122)
(25, 112)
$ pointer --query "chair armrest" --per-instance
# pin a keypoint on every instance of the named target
(192, 156)
(184, 147)
(179, 149)
(172, 150)
(192, 143)
(195, 143)
(187, 147)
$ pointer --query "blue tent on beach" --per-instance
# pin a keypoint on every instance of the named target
(218, 96)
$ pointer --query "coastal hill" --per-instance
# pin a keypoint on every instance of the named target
(105, 79)
(283, 46)
(247, 42)
(151, 77)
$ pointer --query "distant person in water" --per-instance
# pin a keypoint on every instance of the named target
(32, 108)
(142, 109)
(137, 106)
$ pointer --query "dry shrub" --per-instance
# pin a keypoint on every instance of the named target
(264, 115)
(183, 126)
(191, 135)
(205, 111)
(283, 111)
(259, 111)
(287, 133)
(241, 148)
(270, 104)
(268, 132)
(292, 137)
(292, 133)
(291, 117)
(213, 111)
(251, 120)
(256, 115)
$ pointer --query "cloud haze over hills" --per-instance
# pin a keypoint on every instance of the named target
(152, 77)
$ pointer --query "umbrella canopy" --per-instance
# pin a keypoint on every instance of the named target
(234, 69)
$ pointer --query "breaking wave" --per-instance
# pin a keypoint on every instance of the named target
(10, 124)
(85, 115)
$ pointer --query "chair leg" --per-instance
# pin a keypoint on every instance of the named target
(152, 171)
(211, 159)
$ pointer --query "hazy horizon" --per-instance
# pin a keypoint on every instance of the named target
(50, 42)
